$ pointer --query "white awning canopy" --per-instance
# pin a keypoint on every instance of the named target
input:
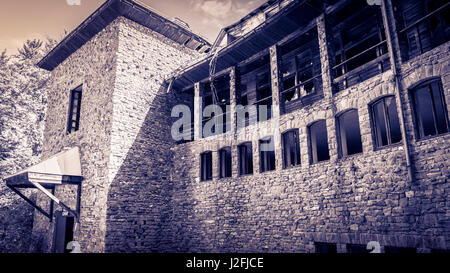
(61, 169)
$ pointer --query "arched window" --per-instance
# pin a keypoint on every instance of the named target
(430, 111)
(349, 133)
(291, 148)
(245, 158)
(318, 142)
(385, 122)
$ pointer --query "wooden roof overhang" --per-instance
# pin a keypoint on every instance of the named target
(107, 13)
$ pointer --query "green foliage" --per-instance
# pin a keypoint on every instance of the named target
(22, 108)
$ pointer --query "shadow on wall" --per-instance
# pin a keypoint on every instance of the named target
(138, 206)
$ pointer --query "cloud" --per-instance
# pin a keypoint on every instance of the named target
(216, 8)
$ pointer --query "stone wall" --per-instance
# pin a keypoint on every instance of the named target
(93, 66)
(140, 160)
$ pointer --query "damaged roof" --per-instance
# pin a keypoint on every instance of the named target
(131, 10)
(287, 20)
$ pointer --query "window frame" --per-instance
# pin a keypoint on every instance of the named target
(313, 152)
(267, 158)
(297, 152)
(70, 117)
(248, 159)
(387, 120)
(225, 168)
(206, 173)
(418, 128)
(340, 133)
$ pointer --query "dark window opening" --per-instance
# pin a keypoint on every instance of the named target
(318, 142)
(300, 69)
(325, 248)
(225, 162)
(349, 133)
(245, 158)
(385, 122)
(254, 88)
(430, 110)
(222, 87)
(422, 25)
(206, 166)
(393, 249)
(187, 98)
(291, 149)
(355, 248)
(266, 154)
(359, 42)
(73, 123)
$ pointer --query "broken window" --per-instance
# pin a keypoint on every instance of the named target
(318, 142)
(206, 166)
(222, 87)
(186, 97)
(266, 154)
(422, 25)
(300, 70)
(385, 122)
(325, 247)
(291, 148)
(359, 44)
(245, 158)
(255, 88)
(225, 162)
(430, 110)
(73, 123)
(349, 133)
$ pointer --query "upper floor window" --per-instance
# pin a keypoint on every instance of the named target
(359, 43)
(430, 110)
(254, 88)
(291, 148)
(300, 69)
(318, 142)
(225, 162)
(73, 123)
(221, 98)
(206, 166)
(385, 122)
(422, 25)
(349, 133)
(266, 154)
(245, 158)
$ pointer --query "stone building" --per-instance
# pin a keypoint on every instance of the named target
(354, 146)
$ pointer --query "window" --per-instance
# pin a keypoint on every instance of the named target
(291, 149)
(423, 25)
(206, 166)
(245, 158)
(359, 43)
(325, 247)
(385, 123)
(225, 162)
(222, 90)
(429, 108)
(349, 133)
(266, 155)
(318, 142)
(393, 249)
(73, 123)
(355, 248)
(254, 88)
(300, 69)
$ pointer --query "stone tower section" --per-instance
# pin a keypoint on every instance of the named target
(118, 58)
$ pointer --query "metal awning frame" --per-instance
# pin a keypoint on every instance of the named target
(46, 183)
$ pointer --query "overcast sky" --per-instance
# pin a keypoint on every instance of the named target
(28, 19)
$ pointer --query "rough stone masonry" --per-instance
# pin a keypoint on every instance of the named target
(142, 192)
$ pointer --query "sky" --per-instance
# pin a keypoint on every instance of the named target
(29, 19)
